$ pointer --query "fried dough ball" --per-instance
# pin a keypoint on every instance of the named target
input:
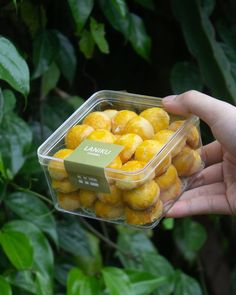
(142, 217)
(165, 180)
(172, 192)
(163, 136)
(121, 119)
(69, 201)
(56, 169)
(76, 135)
(113, 198)
(130, 142)
(115, 164)
(193, 135)
(187, 162)
(98, 120)
(110, 113)
(64, 186)
(108, 211)
(142, 197)
(102, 135)
(157, 117)
(87, 198)
(147, 150)
(139, 126)
(128, 182)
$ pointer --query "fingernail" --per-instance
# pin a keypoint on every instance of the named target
(169, 99)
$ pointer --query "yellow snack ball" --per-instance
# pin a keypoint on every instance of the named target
(172, 192)
(187, 162)
(157, 117)
(104, 210)
(98, 120)
(121, 119)
(76, 135)
(110, 113)
(130, 181)
(64, 186)
(142, 197)
(87, 198)
(115, 164)
(56, 169)
(102, 135)
(147, 150)
(113, 198)
(130, 142)
(139, 126)
(165, 180)
(69, 201)
(193, 136)
(163, 136)
(143, 217)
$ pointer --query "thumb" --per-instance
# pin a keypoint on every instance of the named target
(219, 115)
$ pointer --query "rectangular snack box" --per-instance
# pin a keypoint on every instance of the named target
(125, 179)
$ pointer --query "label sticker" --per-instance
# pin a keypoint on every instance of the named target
(86, 164)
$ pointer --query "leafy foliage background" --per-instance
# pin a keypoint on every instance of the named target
(54, 55)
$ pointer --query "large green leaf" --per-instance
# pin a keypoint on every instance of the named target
(200, 38)
(145, 283)
(208, 6)
(117, 281)
(98, 34)
(9, 101)
(17, 248)
(121, 7)
(66, 58)
(45, 50)
(185, 285)
(42, 255)
(138, 36)
(189, 236)
(5, 287)
(23, 280)
(1, 105)
(50, 79)
(15, 138)
(80, 284)
(78, 242)
(29, 207)
(86, 44)
(149, 4)
(13, 68)
(184, 77)
(80, 10)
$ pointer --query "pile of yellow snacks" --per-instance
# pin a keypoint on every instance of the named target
(133, 198)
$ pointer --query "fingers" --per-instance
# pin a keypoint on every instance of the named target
(219, 115)
(202, 200)
(212, 153)
(209, 175)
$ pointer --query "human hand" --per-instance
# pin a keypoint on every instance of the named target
(214, 190)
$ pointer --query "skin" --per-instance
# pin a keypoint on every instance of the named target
(214, 190)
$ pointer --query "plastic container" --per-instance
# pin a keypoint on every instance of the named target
(138, 198)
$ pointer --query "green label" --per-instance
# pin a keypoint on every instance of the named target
(86, 164)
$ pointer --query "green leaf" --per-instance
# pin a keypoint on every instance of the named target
(66, 58)
(80, 10)
(61, 272)
(189, 236)
(31, 208)
(98, 34)
(50, 79)
(9, 101)
(78, 242)
(5, 287)
(24, 280)
(208, 6)
(15, 137)
(45, 50)
(168, 223)
(79, 284)
(75, 101)
(145, 283)
(1, 105)
(185, 285)
(138, 36)
(149, 4)
(86, 44)
(17, 248)
(43, 285)
(117, 281)
(121, 7)
(13, 68)
(184, 77)
(200, 38)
